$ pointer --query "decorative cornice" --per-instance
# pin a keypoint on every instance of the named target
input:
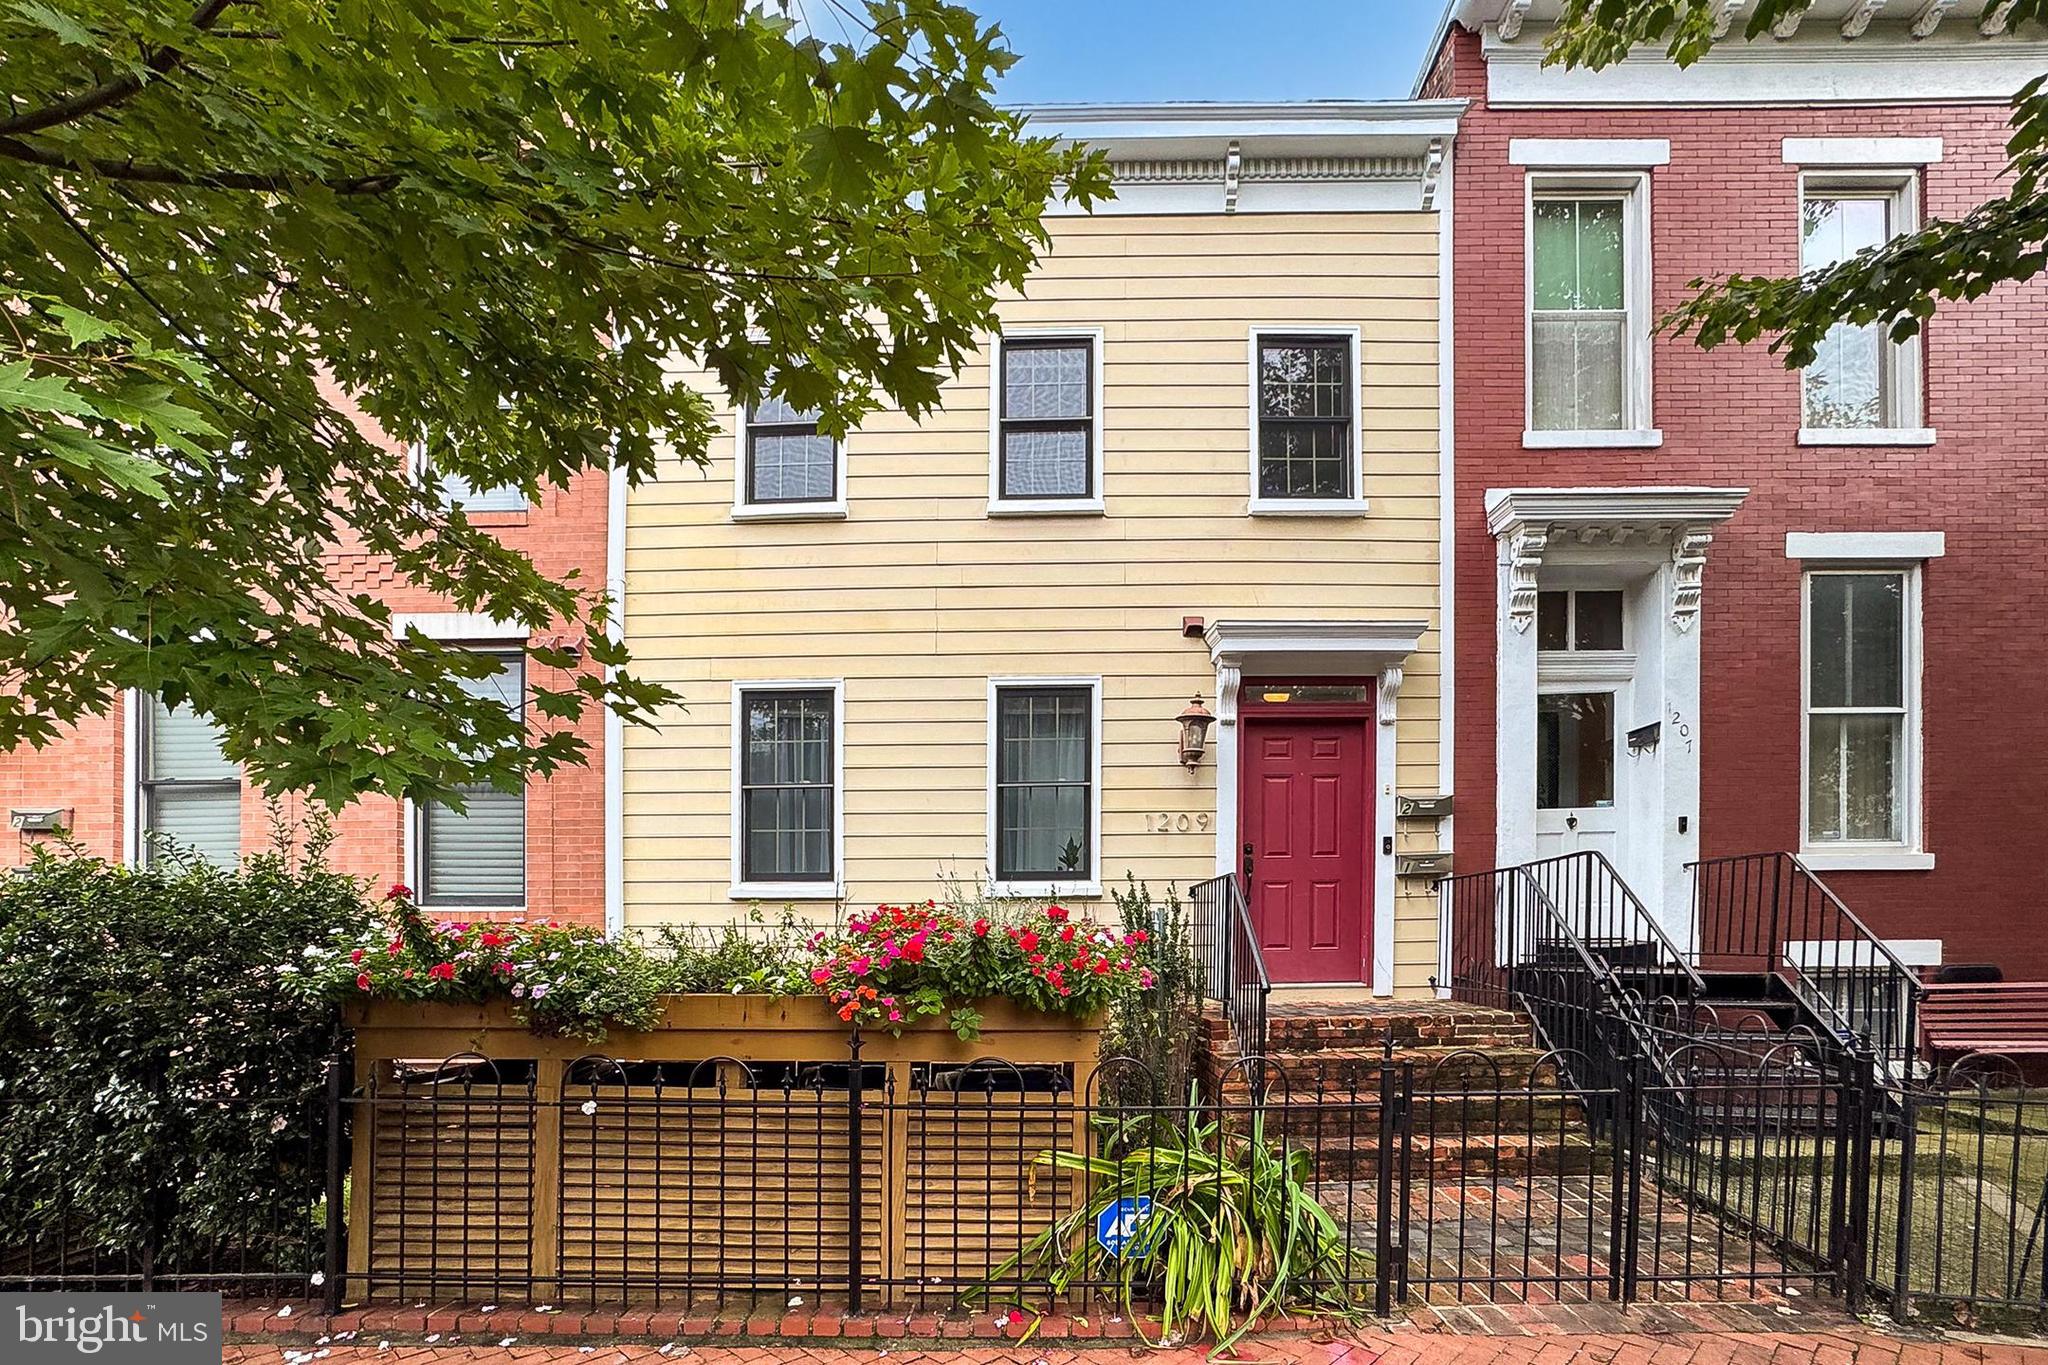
(1996, 17)
(1787, 24)
(1233, 171)
(1432, 172)
(1638, 509)
(1354, 648)
(1930, 16)
(1689, 567)
(1388, 692)
(1859, 16)
(1725, 18)
(1524, 553)
(1509, 25)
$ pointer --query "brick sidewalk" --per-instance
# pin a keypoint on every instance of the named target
(1847, 1345)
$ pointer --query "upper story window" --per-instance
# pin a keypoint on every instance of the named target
(1578, 619)
(1860, 381)
(457, 491)
(786, 789)
(1305, 421)
(1047, 423)
(1043, 773)
(476, 857)
(190, 797)
(1862, 705)
(1589, 369)
(788, 465)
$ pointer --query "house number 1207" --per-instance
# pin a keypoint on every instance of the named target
(1176, 824)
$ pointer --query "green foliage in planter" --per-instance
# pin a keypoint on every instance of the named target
(1234, 1234)
(156, 1083)
(1155, 1030)
(752, 956)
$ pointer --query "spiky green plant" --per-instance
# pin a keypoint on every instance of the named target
(1234, 1232)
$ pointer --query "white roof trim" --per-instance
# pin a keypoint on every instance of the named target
(1329, 648)
(1510, 509)
(1578, 153)
(1860, 151)
(456, 625)
(1866, 545)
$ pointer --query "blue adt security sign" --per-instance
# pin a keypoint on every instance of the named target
(1117, 1226)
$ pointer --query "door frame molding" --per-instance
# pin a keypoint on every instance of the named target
(1360, 714)
(1308, 650)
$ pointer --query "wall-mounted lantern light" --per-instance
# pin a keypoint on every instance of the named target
(1194, 733)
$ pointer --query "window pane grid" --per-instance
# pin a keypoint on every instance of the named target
(190, 793)
(1579, 311)
(1305, 409)
(476, 857)
(1047, 419)
(788, 459)
(1850, 383)
(786, 786)
(1857, 709)
(1044, 776)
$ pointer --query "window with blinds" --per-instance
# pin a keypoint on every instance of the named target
(476, 857)
(1047, 418)
(191, 795)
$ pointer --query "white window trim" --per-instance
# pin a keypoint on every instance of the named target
(743, 890)
(423, 473)
(489, 636)
(1860, 151)
(1881, 547)
(819, 509)
(1581, 153)
(1902, 359)
(1092, 884)
(1906, 854)
(1000, 506)
(1357, 504)
(1637, 380)
(136, 712)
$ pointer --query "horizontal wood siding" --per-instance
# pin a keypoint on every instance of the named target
(918, 597)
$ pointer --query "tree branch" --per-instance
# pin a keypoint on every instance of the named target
(111, 92)
(153, 174)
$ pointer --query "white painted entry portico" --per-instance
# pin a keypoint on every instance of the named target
(1597, 680)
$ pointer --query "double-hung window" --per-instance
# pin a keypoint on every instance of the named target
(786, 771)
(1588, 318)
(1048, 434)
(1860, 381)
(1044, 778)
(1305, 433)
(476, 857)
(787, 466)
(190, 794)
(1862, 721)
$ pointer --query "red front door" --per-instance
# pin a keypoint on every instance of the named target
(1307, 815)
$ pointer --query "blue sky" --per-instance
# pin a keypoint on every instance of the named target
(1121, 50)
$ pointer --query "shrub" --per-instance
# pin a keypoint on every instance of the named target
(157, 1086)
(1157, 1030)
(753, 955)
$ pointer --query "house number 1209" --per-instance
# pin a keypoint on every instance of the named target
(1176, 824)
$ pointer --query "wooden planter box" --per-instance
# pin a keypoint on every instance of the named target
(574, 1174)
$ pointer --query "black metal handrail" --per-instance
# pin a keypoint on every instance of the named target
(1233, 969)
(1751, 909)
(1588, 892)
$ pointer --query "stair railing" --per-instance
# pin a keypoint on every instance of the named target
(1233, 969)
(1768, 913)
(1614, 923)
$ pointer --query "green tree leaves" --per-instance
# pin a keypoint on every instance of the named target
(2002, 241)
(492, 224)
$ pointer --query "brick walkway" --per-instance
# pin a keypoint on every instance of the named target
(1846, 1345)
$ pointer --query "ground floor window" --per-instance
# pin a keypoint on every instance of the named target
(1860, 707)
(190, 793)
(1044, 781)
(787, 784)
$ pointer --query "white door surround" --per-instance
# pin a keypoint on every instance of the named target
(1374, 649)
(1651, 543)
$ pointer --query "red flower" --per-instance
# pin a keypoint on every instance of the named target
(356, 956)
(397, 891)
(363, 981)
(913, 949)
(1027, 940)
(1102, 966)
(1067, 934)
(981, 928)
(1056, 913)
(442, 971)
(846, 1011)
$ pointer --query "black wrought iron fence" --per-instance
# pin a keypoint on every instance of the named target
(1467, 1176)
(1233, 969)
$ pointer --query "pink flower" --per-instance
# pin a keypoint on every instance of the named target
(356, 956)
(820, 976)
(1145, 979)
(363, 981)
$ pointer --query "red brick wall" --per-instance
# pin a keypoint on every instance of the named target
(1728, 203)
(564, 815)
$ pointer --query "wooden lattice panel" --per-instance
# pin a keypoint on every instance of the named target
(451, 1203)
(975, 1192)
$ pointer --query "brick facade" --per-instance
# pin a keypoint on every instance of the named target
(564, 815)
(1728, 203)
